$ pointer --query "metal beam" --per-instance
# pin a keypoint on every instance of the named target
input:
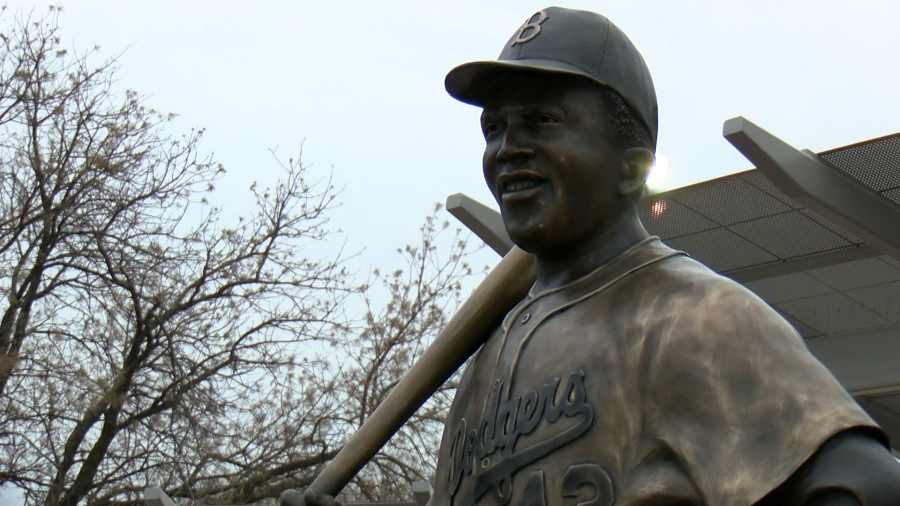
(865, 364)
(820, 186)
(422, 492)
(485, 222)
(884, 417)
(154, 496)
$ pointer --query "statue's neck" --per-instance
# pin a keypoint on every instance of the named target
(586, 255)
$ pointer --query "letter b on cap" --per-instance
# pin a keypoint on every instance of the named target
(533, 24)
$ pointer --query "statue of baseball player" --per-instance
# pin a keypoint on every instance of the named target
(631, 374)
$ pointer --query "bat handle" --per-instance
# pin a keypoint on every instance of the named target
(292, 497)
(506, 285)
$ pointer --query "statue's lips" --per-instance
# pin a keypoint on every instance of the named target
(520, 185)
(521, 191)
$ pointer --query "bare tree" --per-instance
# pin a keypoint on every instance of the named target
(146, 340)
(421, 296)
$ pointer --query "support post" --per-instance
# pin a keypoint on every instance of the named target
(820, 186)
(154, 496)
(485, 222)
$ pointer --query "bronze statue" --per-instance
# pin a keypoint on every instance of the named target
(630, 374)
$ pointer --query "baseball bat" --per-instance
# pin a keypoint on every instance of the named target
(506, 285)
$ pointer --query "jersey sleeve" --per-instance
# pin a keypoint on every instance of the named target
(735, 395)
(851, 466)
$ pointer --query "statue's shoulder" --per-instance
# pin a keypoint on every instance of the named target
(678, 300)
(729, 384)
(683, 274)
(680, 285)
(655, 285)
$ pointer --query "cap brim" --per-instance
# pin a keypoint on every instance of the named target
(470, 82)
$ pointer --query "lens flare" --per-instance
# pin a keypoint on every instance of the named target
(660, 169)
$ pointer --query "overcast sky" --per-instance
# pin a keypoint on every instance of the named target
(361, 84)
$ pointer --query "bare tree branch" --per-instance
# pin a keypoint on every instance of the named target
(145, 339)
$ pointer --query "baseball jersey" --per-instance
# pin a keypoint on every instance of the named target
(652, 380)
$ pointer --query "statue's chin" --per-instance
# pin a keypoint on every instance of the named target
(533, 242)
(536, 232)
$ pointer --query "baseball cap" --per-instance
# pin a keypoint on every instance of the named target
(566, 41)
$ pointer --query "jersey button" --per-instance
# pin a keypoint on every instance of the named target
(526, 317)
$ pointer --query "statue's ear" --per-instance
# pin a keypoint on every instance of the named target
(636, 164)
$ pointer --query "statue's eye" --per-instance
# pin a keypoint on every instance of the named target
(546, 118)
(490, 128)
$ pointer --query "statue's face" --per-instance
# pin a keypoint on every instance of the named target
(550, 160)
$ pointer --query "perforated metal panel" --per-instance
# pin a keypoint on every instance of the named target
(893, 195)
(744, 223)
(666, 218)
(805, 331)
(856, 274)
(789, 235)
(757, 179)
(721, 249)
(816, 217)
(893, 262)
(881, 299)
(729, 200)
(875, 163)
(797, 285)
(833, 313)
